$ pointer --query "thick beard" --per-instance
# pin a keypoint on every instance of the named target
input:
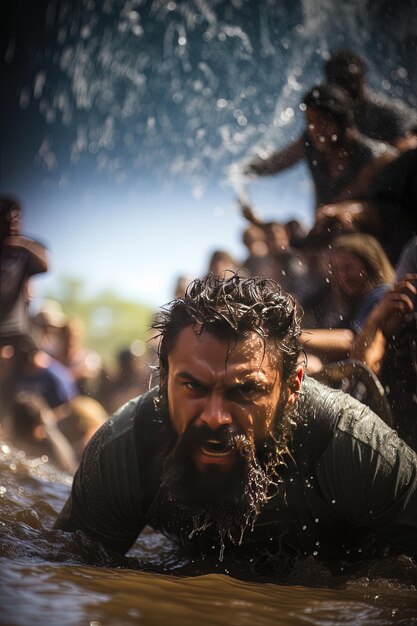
(223, 506)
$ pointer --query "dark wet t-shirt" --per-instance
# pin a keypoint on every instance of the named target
(350, 483)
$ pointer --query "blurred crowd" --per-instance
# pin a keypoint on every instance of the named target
(354, 274)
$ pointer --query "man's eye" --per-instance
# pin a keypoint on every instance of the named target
(193, 386)
(246, 392)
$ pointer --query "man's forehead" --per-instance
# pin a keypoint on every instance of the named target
(249, 346)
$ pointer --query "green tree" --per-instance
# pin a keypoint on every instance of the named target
(111, 322)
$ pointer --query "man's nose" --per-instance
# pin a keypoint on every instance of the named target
(215, 412)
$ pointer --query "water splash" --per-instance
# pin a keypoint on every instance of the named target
(186, 89)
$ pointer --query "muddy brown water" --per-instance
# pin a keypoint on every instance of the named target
(50, 578)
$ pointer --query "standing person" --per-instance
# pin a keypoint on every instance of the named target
(237, 454)
(20, 259)
(376, 115)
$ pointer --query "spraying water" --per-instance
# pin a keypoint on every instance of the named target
(189, 89)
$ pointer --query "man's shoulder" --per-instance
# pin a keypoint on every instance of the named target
(325, 411)
(136, 414)
(338, 420)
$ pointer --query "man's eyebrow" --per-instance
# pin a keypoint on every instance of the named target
(251, 379)
(187, 375)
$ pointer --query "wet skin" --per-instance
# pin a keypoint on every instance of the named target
(207, 385)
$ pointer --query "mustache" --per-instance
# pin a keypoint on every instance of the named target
(228, 435)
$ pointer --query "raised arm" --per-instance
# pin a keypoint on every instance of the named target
(278, 161)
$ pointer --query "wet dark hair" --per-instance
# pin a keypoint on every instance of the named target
(347, 69)
(233, 307)
(332, 102)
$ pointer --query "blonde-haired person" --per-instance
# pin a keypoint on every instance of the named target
(387, 344)
(361, 274)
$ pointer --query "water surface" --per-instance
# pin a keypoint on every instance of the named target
(49, 577)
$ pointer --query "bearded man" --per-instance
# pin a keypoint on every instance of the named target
(238, 453)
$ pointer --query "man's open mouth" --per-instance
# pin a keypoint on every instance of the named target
(214, 447)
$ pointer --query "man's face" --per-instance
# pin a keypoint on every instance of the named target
(226, 402)
(217, 384)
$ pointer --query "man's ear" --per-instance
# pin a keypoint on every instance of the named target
(294, 385)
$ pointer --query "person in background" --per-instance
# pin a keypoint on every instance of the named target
(181, 286)
(297, 232)
(376, 115)
(259, 261)
(47, 324)
(29, 369)
(20, 259)
(130, 379)
(388, 344)
(32, 427)
(284, 263)
(84, 364)
(84, 416)
(221, 262)
(342, 162)
(388, 213)
(361, 275)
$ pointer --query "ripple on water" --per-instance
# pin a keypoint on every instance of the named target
(47, 577)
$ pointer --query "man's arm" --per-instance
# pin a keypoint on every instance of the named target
(105, 500)
(370, 475)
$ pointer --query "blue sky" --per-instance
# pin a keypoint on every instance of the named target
(136, 242)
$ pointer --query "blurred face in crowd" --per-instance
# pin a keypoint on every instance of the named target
(350, 273)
